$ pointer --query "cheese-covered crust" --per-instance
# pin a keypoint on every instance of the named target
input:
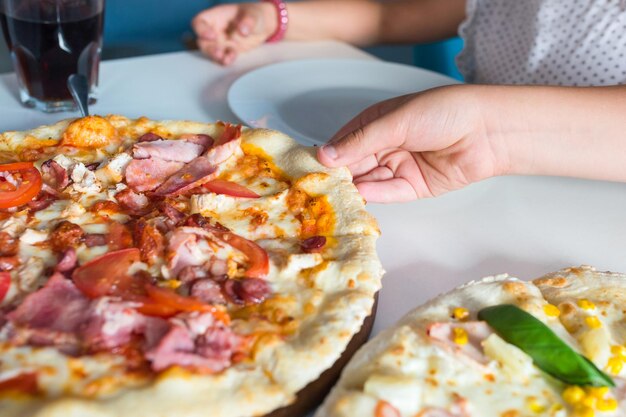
(407, 371)
(318, 301)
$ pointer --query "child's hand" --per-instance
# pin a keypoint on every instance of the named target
(416, 146)
(227, 30)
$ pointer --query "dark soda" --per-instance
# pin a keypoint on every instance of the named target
(48, 47)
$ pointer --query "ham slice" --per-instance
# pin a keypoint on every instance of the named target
(196, 341)
(477, 331)
(192, 175)
(111, 323)
(198, 138)
(147, 174)
(58, 305)
(183, 251)
(168, 150)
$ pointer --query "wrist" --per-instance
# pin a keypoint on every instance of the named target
(276, 19)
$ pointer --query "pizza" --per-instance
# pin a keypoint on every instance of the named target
(499, 347)
(173, 268)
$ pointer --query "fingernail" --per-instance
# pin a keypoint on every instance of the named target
(330, 151)
(244, 30)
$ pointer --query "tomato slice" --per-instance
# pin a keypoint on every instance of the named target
(108, 275)
(259, 262)
(165, 302)
(229, 188)
(25, 382)
(28, 185)
(5, 284)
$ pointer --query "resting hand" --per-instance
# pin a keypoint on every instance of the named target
(416, 146)
(227, 30)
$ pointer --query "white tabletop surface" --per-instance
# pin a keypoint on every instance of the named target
(523, 226)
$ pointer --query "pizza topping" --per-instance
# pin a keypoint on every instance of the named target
(134, 203)
(207, 291)
(384, 409)
(8, 244)
(119, 237)
(25, 382)
(148, 174)
(89, 132)
(150, 241)
(192, 175)
(464, 338)
(168, 150)
(5, 284)
(229, 188)
(173, 214)
(313, 244)
(548, 351)
(43, 200)
(149, 137)
(258, 260)
(196, 341)
(67, 261)
(20, 182)
(111, 323)
(8, 263)
(246, 291)
(198, 138)
(54, 175)
(65, 234)
(109, 275)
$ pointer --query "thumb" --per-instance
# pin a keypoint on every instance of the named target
(373, 130)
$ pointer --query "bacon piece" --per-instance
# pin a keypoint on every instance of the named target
(43, 200)
(105, 205)
(95, 239)
(477, 331)
(168, 150)
(176, 216)
(198, 220)
(57, 306)
(196, 341)
(147, 174)
(190, 273)
(149, 137)
(54, 175)
(246, 291)
(149, 241)
(9, 263)
(65, 234)
(8, 245)
(67, 261)
(198, 138)
(136, 204)
(193, 174)
(207, 291)
(220, 153)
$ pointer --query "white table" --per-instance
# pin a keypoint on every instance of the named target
(524, 226)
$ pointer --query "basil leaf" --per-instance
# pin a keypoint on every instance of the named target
(547, 350)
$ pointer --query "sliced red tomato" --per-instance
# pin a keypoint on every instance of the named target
(108, 275)
(28, 184)
(119, 237)
(259, 262)
(5, 284)
(165, 302)
(229, 188)
(25, 383)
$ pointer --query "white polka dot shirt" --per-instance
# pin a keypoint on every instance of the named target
(552, 42)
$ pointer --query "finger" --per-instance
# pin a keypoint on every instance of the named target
(245, 25)
(230, 54)
(376, 128)
(202, 27)
(377, 174)
(364, 166)
(395, 190)
(211, 49)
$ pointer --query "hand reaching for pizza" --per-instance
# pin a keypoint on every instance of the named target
(227, 30)
(425, 144)
(414, 146)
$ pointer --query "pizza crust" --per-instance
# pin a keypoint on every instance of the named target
(341, 293)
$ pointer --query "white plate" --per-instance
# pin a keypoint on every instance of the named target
(311, 99)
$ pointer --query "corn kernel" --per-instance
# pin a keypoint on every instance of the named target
(460, 313)
(586, 304)
(593, 322)
(584, 412)
(535, 406)
(459, 336)
(172, 283)
(556, 407)
(615, 365)
(618, 350)
(598, 392)
(607, 404)
(589, 401)
(573, 395)
(551, 310)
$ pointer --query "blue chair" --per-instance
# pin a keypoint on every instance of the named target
(439, 57)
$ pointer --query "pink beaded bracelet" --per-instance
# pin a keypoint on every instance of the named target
(283, 19)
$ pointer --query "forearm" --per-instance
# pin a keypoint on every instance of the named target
(367, 22)
(564, 131)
